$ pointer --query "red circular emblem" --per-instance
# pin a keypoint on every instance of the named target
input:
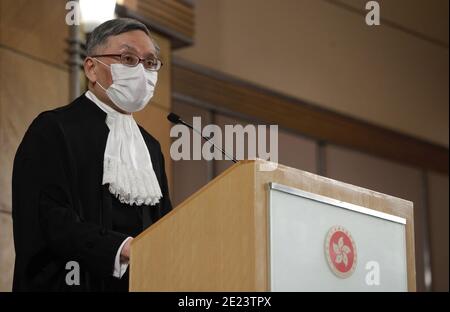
(340, 250)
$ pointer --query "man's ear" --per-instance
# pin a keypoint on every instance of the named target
(89, 69)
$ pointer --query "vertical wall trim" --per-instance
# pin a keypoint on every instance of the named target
(74, 62)
(428, 273)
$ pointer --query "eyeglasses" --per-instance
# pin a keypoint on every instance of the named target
(129, 59)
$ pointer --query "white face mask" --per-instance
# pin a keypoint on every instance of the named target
(132, 87)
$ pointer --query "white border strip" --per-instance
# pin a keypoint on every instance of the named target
(335, 202)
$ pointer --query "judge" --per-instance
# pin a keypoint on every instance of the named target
(86, 177)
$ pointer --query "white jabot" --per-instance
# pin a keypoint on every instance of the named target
(127, 165)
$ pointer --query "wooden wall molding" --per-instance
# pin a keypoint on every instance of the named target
(173, 19)
(220, 92)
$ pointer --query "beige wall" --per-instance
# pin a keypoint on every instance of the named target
(321, 52)
(33, 78)
(428, 18)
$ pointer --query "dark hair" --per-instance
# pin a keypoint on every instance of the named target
(114, 27)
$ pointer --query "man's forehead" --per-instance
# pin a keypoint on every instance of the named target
(137, 42)
(129, 47)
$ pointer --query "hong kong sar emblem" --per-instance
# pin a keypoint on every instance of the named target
(340, 251)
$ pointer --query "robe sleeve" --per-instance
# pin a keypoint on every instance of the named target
(44, 193)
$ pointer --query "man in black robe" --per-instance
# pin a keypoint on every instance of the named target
(63, 212)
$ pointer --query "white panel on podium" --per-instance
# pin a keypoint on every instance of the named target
(322, 244)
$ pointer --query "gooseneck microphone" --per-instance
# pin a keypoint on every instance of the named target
(174, 118)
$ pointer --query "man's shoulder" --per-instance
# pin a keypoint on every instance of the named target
(78, 111)
(45, 127)
(150, 139)
(55, 114)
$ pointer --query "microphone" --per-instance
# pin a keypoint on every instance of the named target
(174, 118)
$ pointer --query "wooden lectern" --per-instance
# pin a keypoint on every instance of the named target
(251, 229)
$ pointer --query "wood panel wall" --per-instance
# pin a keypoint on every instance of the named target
(222, 92)
(33, 78)
(172, 18)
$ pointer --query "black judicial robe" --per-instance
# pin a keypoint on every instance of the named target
(62, 212)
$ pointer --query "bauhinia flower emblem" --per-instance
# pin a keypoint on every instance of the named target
(340, 251)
